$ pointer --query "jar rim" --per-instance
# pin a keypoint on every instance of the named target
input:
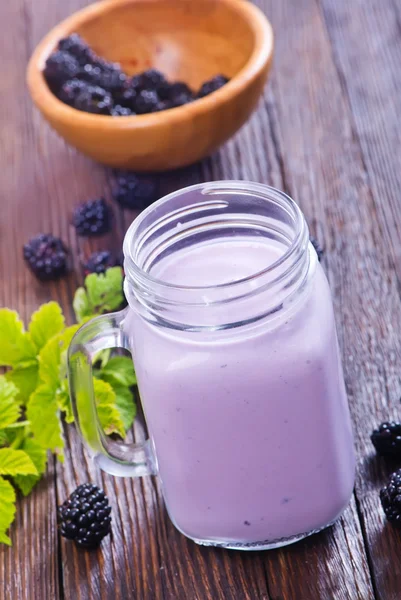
(269, 193)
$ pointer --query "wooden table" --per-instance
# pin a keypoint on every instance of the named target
(328, 132)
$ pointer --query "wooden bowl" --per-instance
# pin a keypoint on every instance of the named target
(188, 40)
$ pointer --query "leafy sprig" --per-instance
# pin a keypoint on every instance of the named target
(34, 397)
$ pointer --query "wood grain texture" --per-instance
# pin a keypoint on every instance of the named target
(370, 79)
(328, 133)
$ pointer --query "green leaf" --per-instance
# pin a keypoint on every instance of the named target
(7, 509)
(67, 335)
(9, 407)
(102, 357)
(53, 358)
(38, 455)
(64, 402)
(43, 415)
(119, 371)
(49, 363)
(105, 291)
(4, 539)
(108, 413)
(126, 405)
(16, 346)
(16, 462)
(26, 380)
(65, 340)
(45, 323)
(80, 304)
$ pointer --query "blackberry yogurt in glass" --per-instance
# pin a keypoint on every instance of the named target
(231, 327)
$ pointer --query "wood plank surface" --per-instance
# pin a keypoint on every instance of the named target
(328, 132)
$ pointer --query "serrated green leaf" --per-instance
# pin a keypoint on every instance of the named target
(67, 335)
(43, 415)
(64, 402)
(53, 358)
(65, 339)
(16, 346)
(119, 371)
(45, 323)
(80, 304)
(9, 407)
(102, 357)
(38, 455)
(105, 290)
(26, 380)
(16, 462)
(108, 413)
(4, 539)
(126, 405)
(7, 509)
(49, 363)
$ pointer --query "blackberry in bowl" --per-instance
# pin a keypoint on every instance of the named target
(175, 127)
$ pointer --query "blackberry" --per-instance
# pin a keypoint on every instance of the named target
(94, 99)
(390, 497)
(75, 45)
(127, 99)
(135, 192)
(151, 80)
(180, 100)
(121, 111)
(179, 94)
(387, 439)
(105, 65)
(212, 85)
(59, 67)
(46, 256)
(92, 218)
(112, 80)
(146, 102)
(85, 516)
(319, 250)
(70, 90)
(99, 262)
(163, 105)
(180, 88)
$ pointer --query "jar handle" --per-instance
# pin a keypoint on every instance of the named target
(116, 458)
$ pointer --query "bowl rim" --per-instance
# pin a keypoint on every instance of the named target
(45, 100)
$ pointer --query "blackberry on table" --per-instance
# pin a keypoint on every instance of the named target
(146, 101)
(85, 516)
(46, 256)
(319, 250)
(387, 439)
(94, 99)
(59, 67)
(134, 191)
(390, 497)
(93, 217)
(212, 85)
(99, 262)
(77, 47)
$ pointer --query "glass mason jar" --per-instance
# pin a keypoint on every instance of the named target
(231, 328)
